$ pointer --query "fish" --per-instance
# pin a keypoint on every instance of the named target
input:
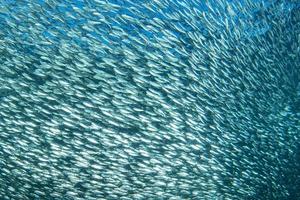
(107, 99)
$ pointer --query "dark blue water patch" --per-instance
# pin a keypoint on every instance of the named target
(5, 92)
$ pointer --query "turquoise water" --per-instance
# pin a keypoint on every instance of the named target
(150, 99)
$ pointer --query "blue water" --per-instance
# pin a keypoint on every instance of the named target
(95, 106)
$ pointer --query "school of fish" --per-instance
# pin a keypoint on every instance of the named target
(150, 99)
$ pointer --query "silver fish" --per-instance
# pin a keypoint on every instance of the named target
(106, 99)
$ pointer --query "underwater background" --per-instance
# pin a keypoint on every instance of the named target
(149, 99)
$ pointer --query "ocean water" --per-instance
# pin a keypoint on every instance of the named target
(149, 99)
